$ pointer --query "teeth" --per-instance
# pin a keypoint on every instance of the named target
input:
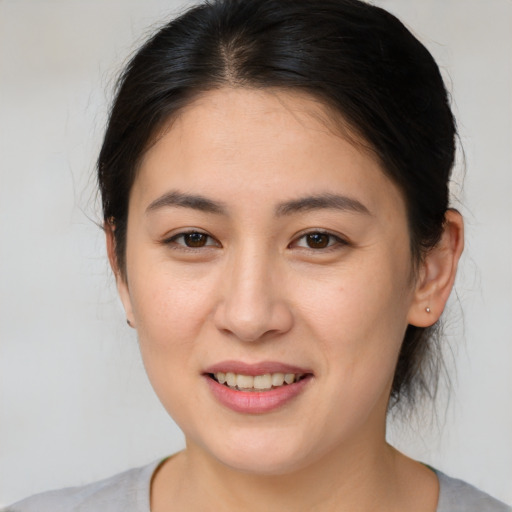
(289, 378)
(263, 381)
(257, 383)
(277, 379)
(231, 379)
(244, 381)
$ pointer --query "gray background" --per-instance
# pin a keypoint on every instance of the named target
(75, 403)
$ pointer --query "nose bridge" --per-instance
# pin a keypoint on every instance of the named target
(252, 304)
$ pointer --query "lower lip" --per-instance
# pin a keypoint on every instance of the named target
(256, 402)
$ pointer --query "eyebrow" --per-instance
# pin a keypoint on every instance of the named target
(321, 202)
(328, 201)
(182, 200)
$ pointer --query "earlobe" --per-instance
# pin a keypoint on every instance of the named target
(121, 282)
(437, 273)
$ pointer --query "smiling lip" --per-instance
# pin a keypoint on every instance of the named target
(256, 402)
(254, 369)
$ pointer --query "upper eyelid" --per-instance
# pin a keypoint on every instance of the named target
(170, 238)
(183, 232)
(337, 236)
(339, 239)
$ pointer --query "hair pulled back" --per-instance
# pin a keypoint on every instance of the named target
(357, 59)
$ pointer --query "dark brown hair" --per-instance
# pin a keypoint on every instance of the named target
(355, 58)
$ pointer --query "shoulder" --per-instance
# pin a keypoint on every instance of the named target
(124, 492)
(458, 496)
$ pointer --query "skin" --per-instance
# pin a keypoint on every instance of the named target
(255, 291)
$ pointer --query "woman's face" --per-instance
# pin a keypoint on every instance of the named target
(264, 248)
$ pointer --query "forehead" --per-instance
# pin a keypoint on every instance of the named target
(244, 142)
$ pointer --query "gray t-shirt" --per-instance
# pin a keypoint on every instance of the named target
(129, 492)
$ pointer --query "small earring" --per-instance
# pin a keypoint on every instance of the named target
(427, 309)
(129, 323)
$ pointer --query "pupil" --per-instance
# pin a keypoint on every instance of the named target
(318, 240)
(195, 239)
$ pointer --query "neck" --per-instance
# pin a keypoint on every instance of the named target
(322, 485)
(359, 477)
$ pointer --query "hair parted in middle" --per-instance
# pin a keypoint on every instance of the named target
(380, 83)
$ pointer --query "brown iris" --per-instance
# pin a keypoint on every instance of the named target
(195, 239)
(317, 240)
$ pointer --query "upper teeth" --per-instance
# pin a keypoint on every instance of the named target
(260, 382)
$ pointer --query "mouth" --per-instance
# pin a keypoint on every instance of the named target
(256, 388)
(256, 383)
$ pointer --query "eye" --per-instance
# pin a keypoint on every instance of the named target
(319, 240)
(193, 240)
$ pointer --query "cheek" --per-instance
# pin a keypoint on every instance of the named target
(170, 309)
(360, 326)
(359, 333)
(358, 301)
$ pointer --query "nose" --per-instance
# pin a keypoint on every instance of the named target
(253, 305)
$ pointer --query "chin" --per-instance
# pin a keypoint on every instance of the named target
(276, 453)
(260, 463)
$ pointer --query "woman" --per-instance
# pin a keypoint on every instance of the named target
(274, 180)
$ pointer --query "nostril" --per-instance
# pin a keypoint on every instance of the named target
(251, 317)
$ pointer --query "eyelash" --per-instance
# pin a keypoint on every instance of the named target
(334, 241)
(173, 240)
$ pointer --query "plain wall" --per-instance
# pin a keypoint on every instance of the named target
(75, 404)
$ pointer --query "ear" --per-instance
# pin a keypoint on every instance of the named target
(437, 273)
(121, 279)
